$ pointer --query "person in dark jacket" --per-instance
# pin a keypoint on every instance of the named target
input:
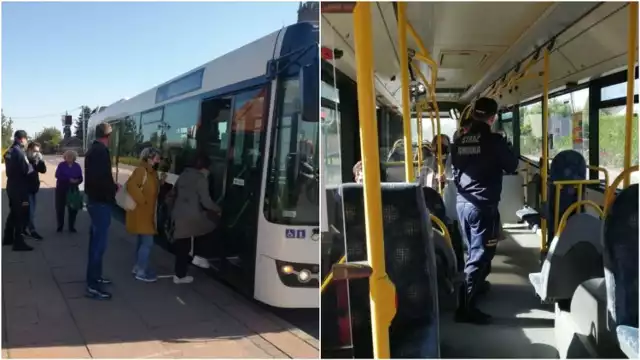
(100, 190)
(17, 170)
(37, 162)
(68, 178)
(479, 159)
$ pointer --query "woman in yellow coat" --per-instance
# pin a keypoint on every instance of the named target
(143, 186)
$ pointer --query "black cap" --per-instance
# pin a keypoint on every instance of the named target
(484, 108)
(20, 134)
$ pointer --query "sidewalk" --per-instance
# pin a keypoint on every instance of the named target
(45, 313)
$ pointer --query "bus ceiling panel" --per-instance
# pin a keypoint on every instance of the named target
(555, 19)
(465, 45)
(598, 15)
(586, 55)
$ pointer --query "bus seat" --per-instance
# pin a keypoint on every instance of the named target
(620, 240)
(511, 199)
(628, 339)
(410, 264)
(449, 276)
(574, 257)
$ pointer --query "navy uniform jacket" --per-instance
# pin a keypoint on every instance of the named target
(17, 168)
(479, 159)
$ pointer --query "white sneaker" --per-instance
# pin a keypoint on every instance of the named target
(185, 280)
(200, 262)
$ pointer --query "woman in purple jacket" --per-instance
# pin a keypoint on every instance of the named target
(69, 175)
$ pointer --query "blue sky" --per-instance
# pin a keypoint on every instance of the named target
(58, 56)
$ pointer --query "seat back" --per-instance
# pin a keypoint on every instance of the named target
(566, 165)
(620, 240)
(574, 257)
(409, 258)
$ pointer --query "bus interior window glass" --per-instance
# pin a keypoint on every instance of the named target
(180, 120)
(330, 119)
(506, 122)
(531, 131)
(569, 123)
(294, 185)
(152, 130)
(611, 133)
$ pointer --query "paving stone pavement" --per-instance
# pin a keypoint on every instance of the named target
(45, 313)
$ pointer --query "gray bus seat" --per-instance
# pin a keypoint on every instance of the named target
(574, 257)
(620, 238)
(628, 339)
(410, 264)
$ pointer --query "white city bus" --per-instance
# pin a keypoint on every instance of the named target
(254, 111)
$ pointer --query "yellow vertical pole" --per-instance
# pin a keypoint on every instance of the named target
(419, 116)
(632, 38)
(545, 145)
(382, 291)
(404, 86)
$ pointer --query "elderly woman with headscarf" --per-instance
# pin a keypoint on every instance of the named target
(143, 186)
(69, 177)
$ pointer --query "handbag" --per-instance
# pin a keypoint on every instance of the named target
(123, 199)
(74, 199)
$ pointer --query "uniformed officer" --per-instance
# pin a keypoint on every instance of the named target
(17, 169)
(479, 159)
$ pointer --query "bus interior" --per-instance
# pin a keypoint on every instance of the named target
(564, 279)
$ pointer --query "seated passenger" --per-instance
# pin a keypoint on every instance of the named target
(143, 186)
(194, 214)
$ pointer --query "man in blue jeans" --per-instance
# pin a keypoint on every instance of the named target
(101, 191)
(479, 159)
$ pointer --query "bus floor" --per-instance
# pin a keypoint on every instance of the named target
(45, 312)
(522, 326)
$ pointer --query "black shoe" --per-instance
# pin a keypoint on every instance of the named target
(59, 229)
(22, 247)
(34, 235)
(97, 294)
(7, 240)
(27, 234)
(473, 316)
(73, 230)
(484, 288)
(104, 281)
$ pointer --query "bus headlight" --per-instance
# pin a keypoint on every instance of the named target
(298, 274)
(304, 276)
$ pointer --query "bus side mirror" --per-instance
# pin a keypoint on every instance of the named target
(309, 92)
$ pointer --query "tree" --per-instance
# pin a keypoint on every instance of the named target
(82, 122)
(7, 131)
(49, 138)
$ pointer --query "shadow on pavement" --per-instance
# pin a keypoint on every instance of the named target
(45, 313)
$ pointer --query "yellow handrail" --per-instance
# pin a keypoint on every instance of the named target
(574, 206)
(444, 231)
(559, 184)
(404, 78)
(545, 146)
(329, 277)
(608, 195)
(632, 38)
(381, 290)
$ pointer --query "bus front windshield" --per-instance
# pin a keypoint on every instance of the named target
(293, 186)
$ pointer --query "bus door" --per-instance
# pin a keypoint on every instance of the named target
(240, 200)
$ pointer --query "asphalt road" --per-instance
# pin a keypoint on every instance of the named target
(307, 320)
